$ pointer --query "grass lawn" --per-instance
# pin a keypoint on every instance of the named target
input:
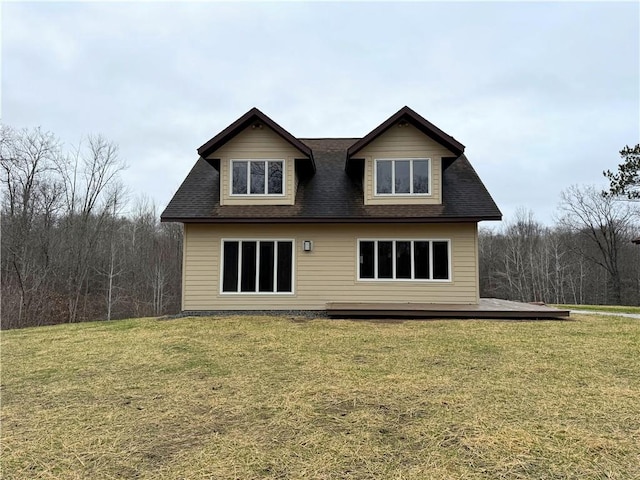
(602, 308)
(246, 398)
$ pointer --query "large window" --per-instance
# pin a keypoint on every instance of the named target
(399, 176)
(404, 260)
(257, 266)
(257, 177)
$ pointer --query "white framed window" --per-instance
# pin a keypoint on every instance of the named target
(404, 260)
(402, 176)
(257, 266)
(257, 177)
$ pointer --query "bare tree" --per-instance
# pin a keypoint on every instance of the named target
(111, 257)
(156, 253)
(600, 222)
(69, 252)
(524, 264)
(92, 190)
(31, 198)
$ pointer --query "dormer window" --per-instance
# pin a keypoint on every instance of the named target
(403, 176)
(257, 177)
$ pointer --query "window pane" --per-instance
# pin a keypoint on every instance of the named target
(265, 280)
(421, 176)
(383, 176)
(440, 260)
(248, 280)
(385, 262)
(403, 259)
(366, 260)
(230, 274)
(257, 177)
(285, 266)
(239, 180)
(275, 177)
(403, 181)
(421, 259)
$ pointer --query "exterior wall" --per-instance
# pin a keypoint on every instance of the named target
(184, 265)
(403, 142)
(252, 144)
(329, 272)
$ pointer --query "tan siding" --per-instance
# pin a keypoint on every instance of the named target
(404, 142)
(263, 144)
(185, 246)
(476, 260)
(329, 272)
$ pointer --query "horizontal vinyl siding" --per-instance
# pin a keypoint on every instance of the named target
(250, 144)
(404, 142)
(329, 272)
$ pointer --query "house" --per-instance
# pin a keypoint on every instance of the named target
(275, 222)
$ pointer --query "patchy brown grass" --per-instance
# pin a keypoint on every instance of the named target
(247, 398)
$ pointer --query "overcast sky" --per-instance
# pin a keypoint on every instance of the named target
(543, 95)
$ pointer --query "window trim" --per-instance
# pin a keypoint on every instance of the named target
(393, 262)
(393, 177)
(266, 182)
(275, 270)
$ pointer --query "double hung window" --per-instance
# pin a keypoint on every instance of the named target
(410, 176)
(257, 177)
(257, 266)
(404, 260)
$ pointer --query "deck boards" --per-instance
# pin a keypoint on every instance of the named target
(486, 308)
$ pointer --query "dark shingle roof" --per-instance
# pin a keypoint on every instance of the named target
(331, 195)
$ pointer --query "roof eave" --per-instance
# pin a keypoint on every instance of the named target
(290, 220)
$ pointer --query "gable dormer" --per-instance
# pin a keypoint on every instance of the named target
(401, 161)
(259, 162)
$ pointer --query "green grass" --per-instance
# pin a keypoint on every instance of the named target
(276, 398)
(602, 308)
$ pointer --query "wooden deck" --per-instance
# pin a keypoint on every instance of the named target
(487, 308)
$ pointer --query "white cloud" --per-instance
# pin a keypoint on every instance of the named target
(542, 94)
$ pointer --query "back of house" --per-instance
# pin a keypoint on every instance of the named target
(275, 222)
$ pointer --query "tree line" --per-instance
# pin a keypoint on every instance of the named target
(527, 261)
(586, 257)
(75, 247)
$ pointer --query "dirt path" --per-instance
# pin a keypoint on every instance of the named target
(593, 312)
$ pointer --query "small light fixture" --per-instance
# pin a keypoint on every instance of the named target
(307, 245)
(257, 126)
